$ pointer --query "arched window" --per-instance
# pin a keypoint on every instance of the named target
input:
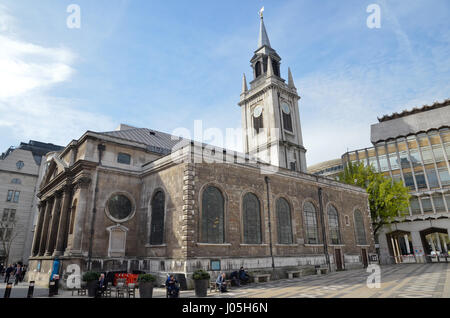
(333, 224)
(157, 219)
(284, 225)
(359, 228)
(212, 216)
(258, 69)
(276, 68)
(251, 219)
(312, 232)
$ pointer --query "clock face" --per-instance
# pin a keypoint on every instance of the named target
(258, 111)
(286, 109)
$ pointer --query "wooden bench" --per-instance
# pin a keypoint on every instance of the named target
(292, 274)
(257, 277)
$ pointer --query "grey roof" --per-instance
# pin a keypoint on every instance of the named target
(155, 141)
(263, 37)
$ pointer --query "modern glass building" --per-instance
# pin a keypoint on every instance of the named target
(414, 147)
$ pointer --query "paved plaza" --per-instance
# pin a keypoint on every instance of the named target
(397, 281)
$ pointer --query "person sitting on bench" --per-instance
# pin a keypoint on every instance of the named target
(221, 283)
(235, 278)
(172, 287)
(243, 276)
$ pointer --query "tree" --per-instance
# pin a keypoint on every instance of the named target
(388, 199)
(8, 233)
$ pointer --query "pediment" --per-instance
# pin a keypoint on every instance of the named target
(55, 166)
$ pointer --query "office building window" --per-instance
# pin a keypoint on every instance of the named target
(445, 177)
(438, 201)
(420, 179)
(415, 207)
(12, 215)
(427, 155)
(432, 178)
(404, 159)
(393, 160)
(16, 196)
(426, 204)
(5, 215)
(10, 195)
(409, 181)
(383, 163)
(438, 153)
(415, 157)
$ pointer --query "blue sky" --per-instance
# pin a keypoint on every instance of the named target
(164, 64)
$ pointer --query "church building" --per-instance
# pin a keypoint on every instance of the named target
(139, 199)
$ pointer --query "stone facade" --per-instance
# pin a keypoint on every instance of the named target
(70, 204)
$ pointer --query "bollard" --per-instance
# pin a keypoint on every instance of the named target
(51, 288)
(30, 289)
(8, 290)
(55, 288)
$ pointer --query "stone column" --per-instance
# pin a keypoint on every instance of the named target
(38, 229)
(407, 244)
(438, 239)
(62, 226)
(44, 234)
(80, 216)
(417, 245)
(53, 225)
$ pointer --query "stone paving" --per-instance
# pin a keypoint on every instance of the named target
(397, 281)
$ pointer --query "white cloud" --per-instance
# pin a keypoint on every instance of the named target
(28, 110)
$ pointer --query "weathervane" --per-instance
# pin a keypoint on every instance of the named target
(261, 12)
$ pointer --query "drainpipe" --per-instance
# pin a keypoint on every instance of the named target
(100, 148)
(270, 227)
(324, 234)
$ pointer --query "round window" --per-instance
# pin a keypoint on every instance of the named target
(20, 164)
(120, 207)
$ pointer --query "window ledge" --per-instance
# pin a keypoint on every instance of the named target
(313, 245)
(337, 245)
(155, 246)
(214, 244)
(263, 244)
(286, 245)
(362, 245)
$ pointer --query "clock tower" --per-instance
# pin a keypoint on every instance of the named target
(270, 113)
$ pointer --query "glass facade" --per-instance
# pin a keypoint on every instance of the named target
(420, 161)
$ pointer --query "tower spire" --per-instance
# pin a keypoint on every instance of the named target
(290, 79)
(263, 37)
(244, 84)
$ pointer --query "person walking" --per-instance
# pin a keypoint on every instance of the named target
(17, 274)
(24, 271)
(8, 272)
